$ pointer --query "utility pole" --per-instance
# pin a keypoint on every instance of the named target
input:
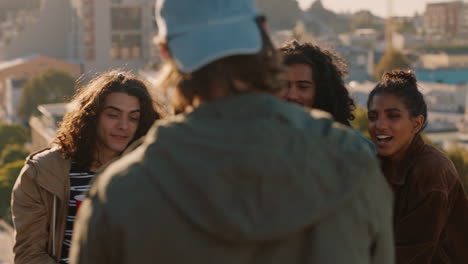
(389, 25)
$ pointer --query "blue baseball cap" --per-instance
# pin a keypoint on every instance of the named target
(199, 32)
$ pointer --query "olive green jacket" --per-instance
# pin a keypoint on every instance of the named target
(246, 179)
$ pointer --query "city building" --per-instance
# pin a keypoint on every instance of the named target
(99, 34)
(402, 41)
(446, 98)
(443, 75)
(444, 59)
(445, 19)
(16, 15)
(368, 38)
(360, 91)
(14, 73)
(463, 21)
(438, 122)
(361, 62)
(19, 4)
(458, 139)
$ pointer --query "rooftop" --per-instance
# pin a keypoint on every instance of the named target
(15, 62)
(54, 109)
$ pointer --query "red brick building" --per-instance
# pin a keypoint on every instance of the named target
(445, 19)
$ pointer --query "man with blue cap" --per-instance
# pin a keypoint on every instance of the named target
(239, 176)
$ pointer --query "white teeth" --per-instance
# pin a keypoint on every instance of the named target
(383, 137)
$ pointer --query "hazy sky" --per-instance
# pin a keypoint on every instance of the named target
(378, 7)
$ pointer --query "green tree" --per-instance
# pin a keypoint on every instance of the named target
(53, 86)
(404, 27)
(12, 138)
(12, 135)
(8, 174)
(459, 158)
(392, 59)
(13, 153)
(360, 121)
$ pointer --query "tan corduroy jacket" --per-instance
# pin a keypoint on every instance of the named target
(39, 205)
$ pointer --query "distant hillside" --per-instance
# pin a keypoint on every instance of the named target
(365, 19)
(320, 20)
(281, 14)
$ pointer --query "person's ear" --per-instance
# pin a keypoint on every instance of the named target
(164, 51)
(417, 123)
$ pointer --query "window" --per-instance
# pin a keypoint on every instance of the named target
(18, 83)
(126, 18)
(126, 46)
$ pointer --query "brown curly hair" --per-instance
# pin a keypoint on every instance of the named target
(328, 70)
(76, 136)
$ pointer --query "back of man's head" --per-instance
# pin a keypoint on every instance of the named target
(208, 40)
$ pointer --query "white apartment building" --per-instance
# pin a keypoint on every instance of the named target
(99, 34)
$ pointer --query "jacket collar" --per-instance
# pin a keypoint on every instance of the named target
(52, 171)
(396, 175)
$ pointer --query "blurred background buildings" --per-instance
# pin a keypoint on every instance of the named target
(97, 34)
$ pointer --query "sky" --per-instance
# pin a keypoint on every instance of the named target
(377, 7)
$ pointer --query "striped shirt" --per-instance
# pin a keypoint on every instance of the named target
(80, 181)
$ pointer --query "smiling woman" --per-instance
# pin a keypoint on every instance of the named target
(315, 80)
(431, 208)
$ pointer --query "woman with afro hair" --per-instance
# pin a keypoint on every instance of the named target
(315, 80)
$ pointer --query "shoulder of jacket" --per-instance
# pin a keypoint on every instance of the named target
(434, 170)
(44, 153)
(432, 159)
(45, 157)
(344, 139)
(349, 141)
